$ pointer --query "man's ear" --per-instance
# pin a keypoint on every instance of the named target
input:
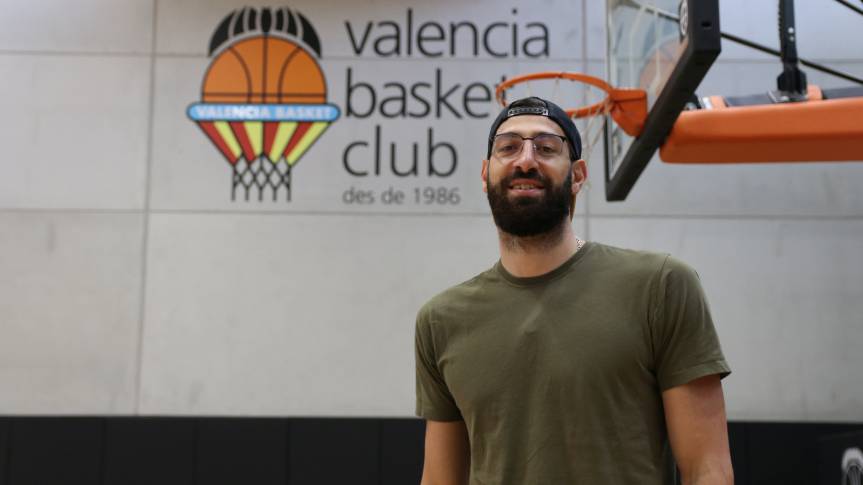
(484, 175)
(579, 175)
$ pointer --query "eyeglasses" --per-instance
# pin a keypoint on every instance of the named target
(546, 146)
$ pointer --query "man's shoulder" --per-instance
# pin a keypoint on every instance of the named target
(638, 264)
(631, 260)
(458, 297)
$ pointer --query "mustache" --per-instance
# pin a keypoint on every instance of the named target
(529, 175)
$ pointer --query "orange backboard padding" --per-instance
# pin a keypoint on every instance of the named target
(810, 131)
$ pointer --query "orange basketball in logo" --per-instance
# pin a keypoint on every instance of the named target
(264, 69)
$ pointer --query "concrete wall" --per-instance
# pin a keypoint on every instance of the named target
(133, 284)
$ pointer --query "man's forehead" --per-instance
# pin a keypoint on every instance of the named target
(529, 124)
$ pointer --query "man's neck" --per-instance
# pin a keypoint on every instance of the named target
(537, 255)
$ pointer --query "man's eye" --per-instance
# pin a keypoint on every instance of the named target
(549, 148)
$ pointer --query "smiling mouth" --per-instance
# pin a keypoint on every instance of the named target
(525, 186)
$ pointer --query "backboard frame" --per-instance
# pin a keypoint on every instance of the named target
(703, 46)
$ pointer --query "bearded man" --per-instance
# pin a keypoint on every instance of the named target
(568, 362)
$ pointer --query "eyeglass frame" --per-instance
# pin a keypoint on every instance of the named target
(564, 139)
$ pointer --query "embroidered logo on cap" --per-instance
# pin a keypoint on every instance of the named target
(533, 110)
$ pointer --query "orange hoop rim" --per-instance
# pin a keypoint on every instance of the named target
(627, 107)
(580, 112)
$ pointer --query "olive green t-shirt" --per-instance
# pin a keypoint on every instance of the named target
(558, 378)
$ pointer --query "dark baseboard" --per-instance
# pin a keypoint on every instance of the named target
(324, 451)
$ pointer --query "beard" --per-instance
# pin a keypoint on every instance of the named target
(530, 216)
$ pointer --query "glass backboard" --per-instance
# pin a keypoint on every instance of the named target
(664, 47)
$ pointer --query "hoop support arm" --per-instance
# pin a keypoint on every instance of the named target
(808, 131)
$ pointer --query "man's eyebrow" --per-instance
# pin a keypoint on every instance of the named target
(530, 133)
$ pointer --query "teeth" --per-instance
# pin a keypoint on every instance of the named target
(524, 187)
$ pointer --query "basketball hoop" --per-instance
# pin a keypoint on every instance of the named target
(628, 107)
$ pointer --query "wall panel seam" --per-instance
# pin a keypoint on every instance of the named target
(145, 232)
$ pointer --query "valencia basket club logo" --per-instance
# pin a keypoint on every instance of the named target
(264, 98)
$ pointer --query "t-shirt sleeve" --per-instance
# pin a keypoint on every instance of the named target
(434, 400)
(685, 342)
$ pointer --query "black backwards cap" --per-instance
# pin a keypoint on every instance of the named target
(540, 107)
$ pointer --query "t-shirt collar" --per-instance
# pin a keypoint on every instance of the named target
(543, 278)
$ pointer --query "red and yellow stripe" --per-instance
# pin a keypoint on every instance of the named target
(277, 141)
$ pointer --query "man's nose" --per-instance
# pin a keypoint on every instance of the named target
(526, 160)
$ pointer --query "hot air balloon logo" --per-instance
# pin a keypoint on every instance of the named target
(264, 98)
